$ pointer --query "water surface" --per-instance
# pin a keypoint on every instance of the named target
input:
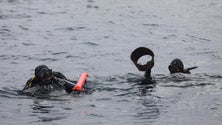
(97, 36)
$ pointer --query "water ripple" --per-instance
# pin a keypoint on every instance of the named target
(71, 28)
(90, 43)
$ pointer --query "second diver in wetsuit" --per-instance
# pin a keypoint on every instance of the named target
(176, 66)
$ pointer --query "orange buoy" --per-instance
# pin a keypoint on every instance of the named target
(81, 82)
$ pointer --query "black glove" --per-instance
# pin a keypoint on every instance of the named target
(67, 85)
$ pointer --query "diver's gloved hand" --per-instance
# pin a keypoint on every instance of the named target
(138, 53)
(187, 70)
(66, 84)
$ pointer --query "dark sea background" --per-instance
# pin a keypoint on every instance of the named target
(97, 37)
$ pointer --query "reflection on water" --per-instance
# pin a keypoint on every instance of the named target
(148, 112)
(46, 112)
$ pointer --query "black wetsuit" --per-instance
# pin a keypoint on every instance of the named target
(37, 87)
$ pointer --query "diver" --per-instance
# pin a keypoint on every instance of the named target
(46, 81)
(176, 66)
(147, 83)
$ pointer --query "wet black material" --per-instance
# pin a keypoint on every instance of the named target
(42, 71)
(138, 53)
(98, 36)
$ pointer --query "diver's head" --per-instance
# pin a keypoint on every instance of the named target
(176, 66)
(43, 73)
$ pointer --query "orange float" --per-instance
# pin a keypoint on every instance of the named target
(82, 80)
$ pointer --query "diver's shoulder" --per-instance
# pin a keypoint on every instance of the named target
(58, 74)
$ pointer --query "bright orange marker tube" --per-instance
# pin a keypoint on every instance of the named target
(81, 82)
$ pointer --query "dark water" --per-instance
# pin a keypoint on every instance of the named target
(97, 36)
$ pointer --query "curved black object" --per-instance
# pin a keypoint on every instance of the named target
(139, 52)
